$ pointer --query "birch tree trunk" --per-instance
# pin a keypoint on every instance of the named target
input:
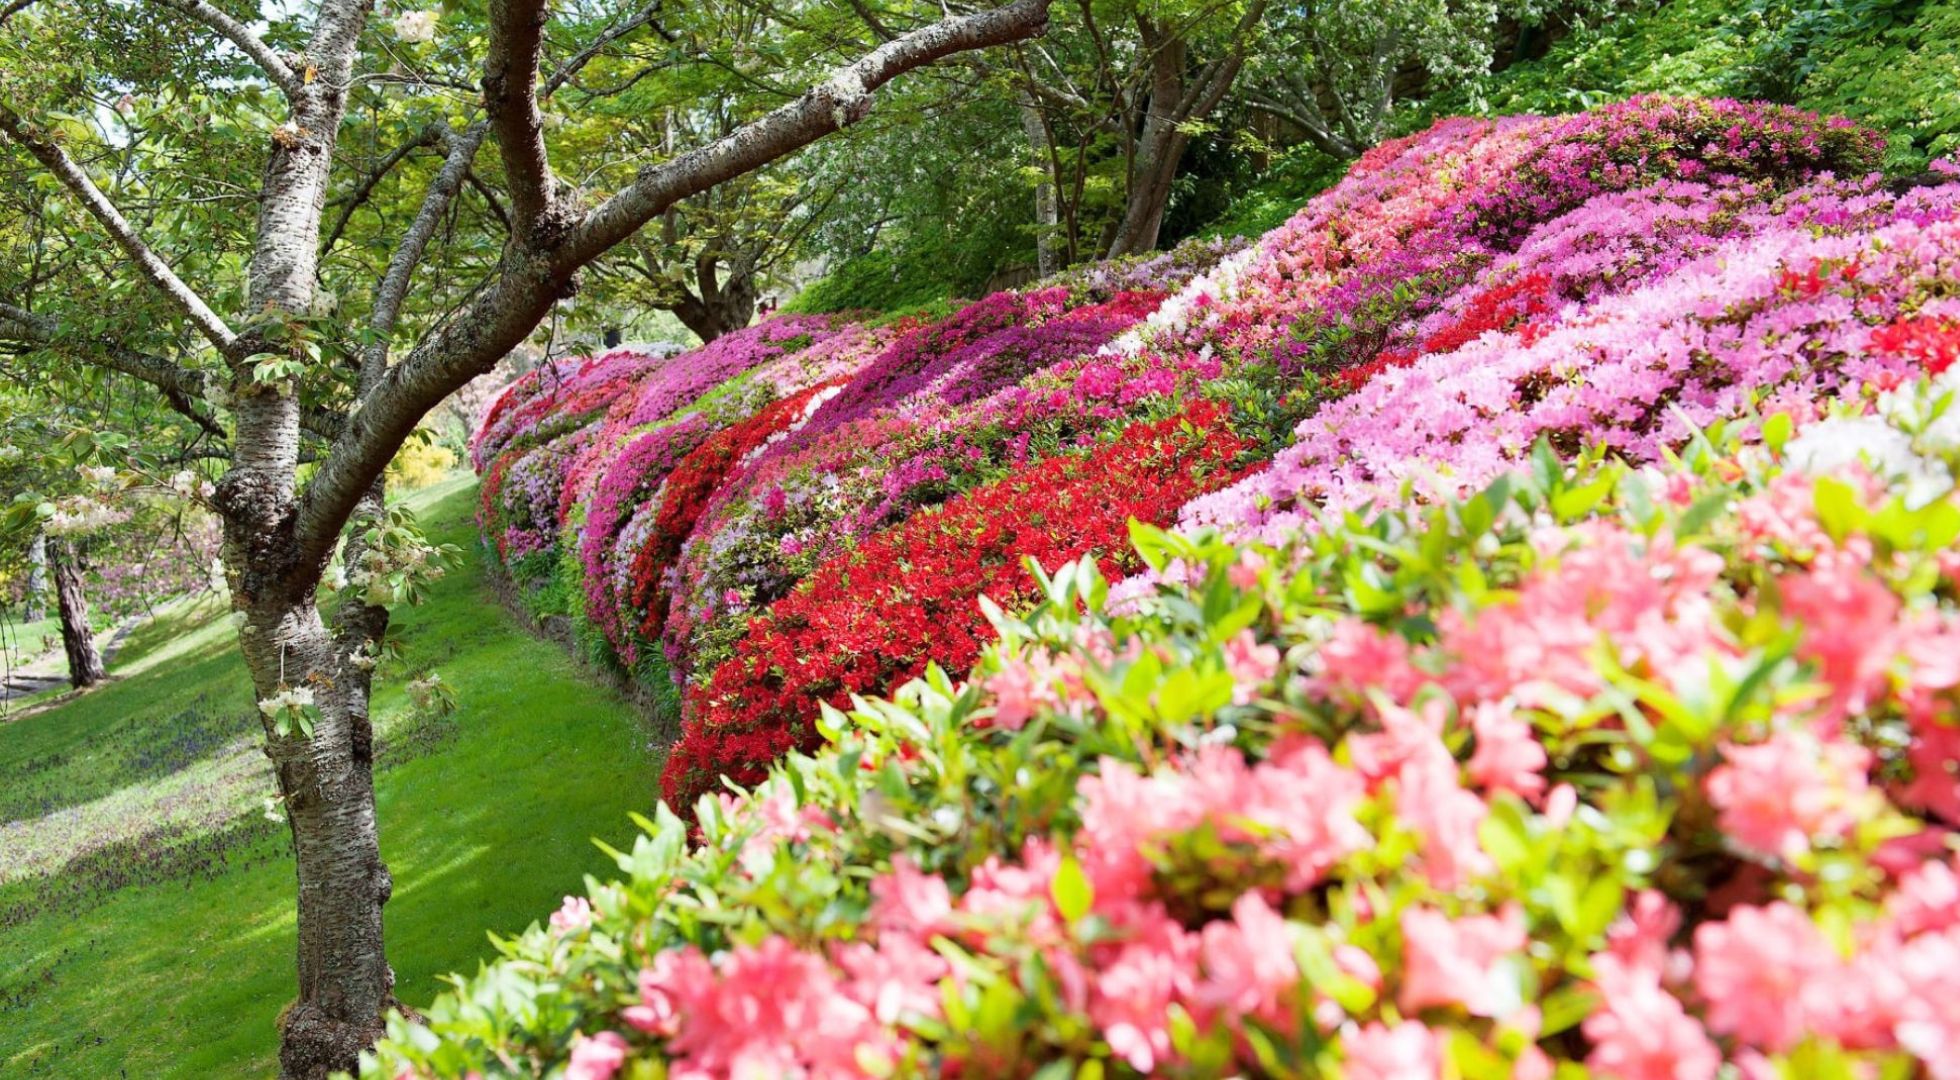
(1047, 214)
(37, 578)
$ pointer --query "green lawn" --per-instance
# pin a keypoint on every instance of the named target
(23, 641)
(166, 947)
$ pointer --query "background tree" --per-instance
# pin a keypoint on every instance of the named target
(165, 123)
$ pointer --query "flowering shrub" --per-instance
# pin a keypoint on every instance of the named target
(1634, 772)
(688, 488)
(1617, 280)
(630, 479)
(550, 400)
(901, 435)
(911, 596)
(1788, 306)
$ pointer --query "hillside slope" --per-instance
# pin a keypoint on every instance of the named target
(146, 901)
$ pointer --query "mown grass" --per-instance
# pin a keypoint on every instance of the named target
(21, 641)
(167, 949)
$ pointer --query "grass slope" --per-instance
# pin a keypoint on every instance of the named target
(167, 950)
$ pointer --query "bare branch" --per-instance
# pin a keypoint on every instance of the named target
(268, 59)
(490, 199)
(154, 269)
(843, 99)
(510, 94)
(408, 255)
(428, 136)
(611, 34)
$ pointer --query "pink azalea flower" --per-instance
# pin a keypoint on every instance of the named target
(1250, 664)
(1508, 755)
(1850, 625)
(1639, 939)
(1767, 975)
(1017, 697)
(1777, 796)
(910, 901)
(1407, 1051)
(1134, 991)
(597, 1057)
(1248, 963)
(1461, 962)
(1641, 1032)
(574, 914)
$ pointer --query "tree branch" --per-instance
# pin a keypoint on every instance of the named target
(490, 199)
(408, 254)
(275, 67)
(428, 136)
(533, 279)
(510, 94)
(181, 386)
(12, 8)
(571, 67)
(152, 268)
(843, 99)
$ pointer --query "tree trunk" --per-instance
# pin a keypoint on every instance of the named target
(1047, 215)
(327, 783)
(1159, 146)
(84, 662)
(37, 578)
(1162, 147)
(718, 306)
(325, 777)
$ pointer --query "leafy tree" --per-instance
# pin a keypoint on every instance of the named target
(279, 222)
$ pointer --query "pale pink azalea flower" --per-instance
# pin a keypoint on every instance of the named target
(899, 977)
(1640, 938)
(1928, 1025)
(1407, 1051)
(574, 914)
(1429, 800)
(1017, 695)
(1244, 574)
(1134, 991)
(1927, 899)
(1250, 664)
(1767, 975)
(1850, 625)
(1248, 963)
(1641, 1032)
(909, 901)
(1560, 805)
(1508, 756)
(596, 1057)
(1461, 961)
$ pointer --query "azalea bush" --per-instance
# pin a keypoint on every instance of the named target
(915, 596)
(806, 510)
(1598, 768)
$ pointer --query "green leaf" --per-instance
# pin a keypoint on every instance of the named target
(1072, 893)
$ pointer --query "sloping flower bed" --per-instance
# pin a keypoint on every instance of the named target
(912, 596)
(1596, 769)
(1555, 659)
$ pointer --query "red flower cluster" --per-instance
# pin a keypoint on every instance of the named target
(878, 615)
(1933, 343)
(688, 490)
(1502, 307)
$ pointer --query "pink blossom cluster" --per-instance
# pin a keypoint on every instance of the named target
(1786, 311)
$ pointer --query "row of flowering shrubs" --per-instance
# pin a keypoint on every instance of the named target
(1591, 768)
(801, 510)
